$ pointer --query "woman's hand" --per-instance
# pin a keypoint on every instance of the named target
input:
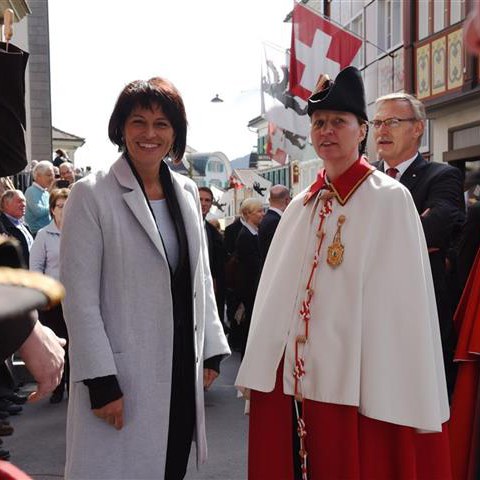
(209, 377)
(112, 413)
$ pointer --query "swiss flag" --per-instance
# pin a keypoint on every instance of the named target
(276, 148)
(318, 47)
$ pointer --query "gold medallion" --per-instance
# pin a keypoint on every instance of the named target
(336, 249)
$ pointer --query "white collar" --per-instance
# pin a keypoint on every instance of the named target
(250, 228)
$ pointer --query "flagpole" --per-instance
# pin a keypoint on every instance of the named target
(326, 17)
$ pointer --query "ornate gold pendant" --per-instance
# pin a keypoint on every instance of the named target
(336, 249)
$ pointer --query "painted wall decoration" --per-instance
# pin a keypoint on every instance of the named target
(455, 59)
(439, 62)
(423, 71)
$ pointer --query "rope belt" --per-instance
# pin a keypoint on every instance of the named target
(302, 339)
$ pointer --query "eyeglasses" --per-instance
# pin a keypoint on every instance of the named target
(390, 122)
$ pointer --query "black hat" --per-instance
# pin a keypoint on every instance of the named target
(345, 94)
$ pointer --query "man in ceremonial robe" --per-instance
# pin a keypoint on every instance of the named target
(336, 354)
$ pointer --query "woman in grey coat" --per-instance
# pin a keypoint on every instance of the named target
(145, 337)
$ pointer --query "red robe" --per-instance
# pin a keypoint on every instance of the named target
(465, 410)
(342, 444)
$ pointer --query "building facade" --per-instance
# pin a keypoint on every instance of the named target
(417, 47)
(67, 142)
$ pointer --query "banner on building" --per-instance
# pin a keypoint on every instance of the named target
(318, 47)
(287, 116)
(282, 142)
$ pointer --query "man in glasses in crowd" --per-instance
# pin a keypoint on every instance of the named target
(436, 188)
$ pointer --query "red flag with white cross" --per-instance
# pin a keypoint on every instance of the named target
(318, 47)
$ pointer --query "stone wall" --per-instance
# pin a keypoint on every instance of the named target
(40, 121)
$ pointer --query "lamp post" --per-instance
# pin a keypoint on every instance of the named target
(216, 99)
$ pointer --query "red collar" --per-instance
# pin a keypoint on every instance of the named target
(345, 185)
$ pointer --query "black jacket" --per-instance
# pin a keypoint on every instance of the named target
(231, 234)
(439, 188)
(8, 228)
(217, 258)
(266, 231)
(248, 252)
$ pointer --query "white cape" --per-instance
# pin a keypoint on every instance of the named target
(374, 339)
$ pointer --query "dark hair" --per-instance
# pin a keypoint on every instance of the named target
(147, 94)
(206, 189)
(55, 195)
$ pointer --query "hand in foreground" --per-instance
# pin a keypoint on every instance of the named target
(209, 377)
(471, 29)
(112, 413)
(43, 355)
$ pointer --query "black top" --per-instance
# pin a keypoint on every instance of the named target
(266, 230)
(12, 109)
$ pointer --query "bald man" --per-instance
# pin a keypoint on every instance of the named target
(279, 199)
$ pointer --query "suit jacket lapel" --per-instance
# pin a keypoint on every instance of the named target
(412, 173)
(135, 199)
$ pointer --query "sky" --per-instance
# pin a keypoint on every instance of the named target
(203, 47)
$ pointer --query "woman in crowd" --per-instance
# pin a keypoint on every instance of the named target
(145, 338)
(344, 346)
(45, 258)
(249, 261)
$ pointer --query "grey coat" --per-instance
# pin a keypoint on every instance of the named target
(118, 310)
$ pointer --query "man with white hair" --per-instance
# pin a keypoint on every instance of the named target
(12, 206)
(67, 172)
(37, 214)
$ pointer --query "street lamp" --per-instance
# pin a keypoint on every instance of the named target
(216, 99)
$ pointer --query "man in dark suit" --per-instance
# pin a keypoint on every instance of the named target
(437, 190)
(279, 199)
(216, 253)
(12, 206)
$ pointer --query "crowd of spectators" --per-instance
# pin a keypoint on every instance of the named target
(33, 218)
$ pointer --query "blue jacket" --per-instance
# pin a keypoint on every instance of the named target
(37, 214)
